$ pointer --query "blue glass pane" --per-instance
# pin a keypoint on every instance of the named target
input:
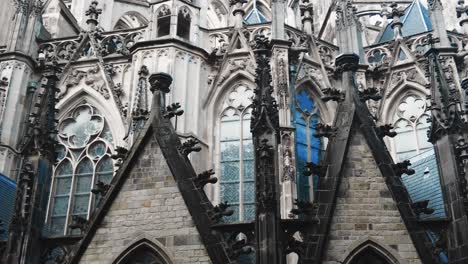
(65, 169)
(81, 203)
(249, 191)
(230, 151)
(84, 176)
(98, 149)
(105, 170)
(230, 130)
(248, 150)
(249, 212)
(61, 152)
(307, 146)
(63, 186)
(248, 169)
(230, 193)
(304, 102)
(57, 224)
(230, 172)
(60, 206)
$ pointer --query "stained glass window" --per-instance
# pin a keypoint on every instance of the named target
(306, 116)
(236, 155)
(411, 124)
(83, 159)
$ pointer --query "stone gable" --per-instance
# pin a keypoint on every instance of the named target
(365, 210)
(149, 205)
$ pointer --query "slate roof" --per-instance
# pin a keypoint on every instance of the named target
(415, 21)
(7, 202)
(425, 185)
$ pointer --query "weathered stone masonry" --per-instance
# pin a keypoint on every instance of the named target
(149, 206)
(365, 209)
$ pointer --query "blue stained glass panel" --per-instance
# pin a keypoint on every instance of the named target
(81, 204)
(105, 170)
(249, 211)
(307, 146)
(230, 193)
(98, 149)
(249, 191)
(248, 169)
(60, 206)
(230, 151)
(230, 171)
(63, 186)
(57, 224)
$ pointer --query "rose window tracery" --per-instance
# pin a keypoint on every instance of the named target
(83, 159)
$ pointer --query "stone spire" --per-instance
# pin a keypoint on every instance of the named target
(436, 12)
(462, 15)
(349, 29)
(238, 12)
(396, 13)
(307, 12)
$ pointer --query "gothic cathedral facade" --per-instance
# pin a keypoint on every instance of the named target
(224, 132)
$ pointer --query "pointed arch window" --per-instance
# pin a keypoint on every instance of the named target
(164, 21)
(236, 154)
(83, 159)
(411, 123)
(183, 23)
(308, 147)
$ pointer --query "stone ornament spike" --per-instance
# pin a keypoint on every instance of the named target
(101, 188)
(173, 111)
(370, 94)
(220, 211)
(422, 208)
(189, 146)
(403, 168)
(205, 178)
(386, 130)
(93, 13)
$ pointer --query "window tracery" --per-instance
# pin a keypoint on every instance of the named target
(83, 159)
(236, 154)
(164, 21)
(308, 147)
(411, 124)
(183, 23)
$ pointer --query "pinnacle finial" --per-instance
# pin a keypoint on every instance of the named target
(93, 13)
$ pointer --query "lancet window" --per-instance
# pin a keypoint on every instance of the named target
(83, 159)
(236, 154)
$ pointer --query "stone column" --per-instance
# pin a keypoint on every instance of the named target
(265, 130)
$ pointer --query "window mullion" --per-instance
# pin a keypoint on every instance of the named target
(70, 201)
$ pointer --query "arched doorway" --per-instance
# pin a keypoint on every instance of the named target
(142, 255)
(369, 256)
(370, 251)
(143, 252)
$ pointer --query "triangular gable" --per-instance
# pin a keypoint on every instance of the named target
(155, 189)
(356, 118)
(416, 20)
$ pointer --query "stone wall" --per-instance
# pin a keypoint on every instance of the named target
(151, 206)
(366, 211)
